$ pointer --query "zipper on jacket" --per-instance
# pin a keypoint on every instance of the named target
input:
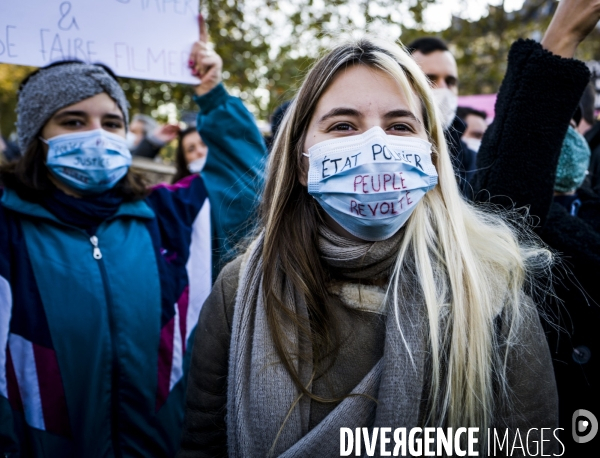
(96, 253)
(114, 392)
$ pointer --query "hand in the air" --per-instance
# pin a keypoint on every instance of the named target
(204, 62)
(572, 22)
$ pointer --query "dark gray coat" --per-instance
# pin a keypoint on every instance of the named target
(205, 431)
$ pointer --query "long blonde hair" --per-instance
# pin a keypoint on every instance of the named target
(471, 266)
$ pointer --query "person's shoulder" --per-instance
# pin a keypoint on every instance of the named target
(232, 268)
(183, 186)
(187, 196)
(220, 304)
(577, 238)
(588, 195)
(229, 277)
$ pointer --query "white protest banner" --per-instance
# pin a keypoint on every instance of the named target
(147, 39)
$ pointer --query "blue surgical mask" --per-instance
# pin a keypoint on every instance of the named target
(92, 161)
(371, 183)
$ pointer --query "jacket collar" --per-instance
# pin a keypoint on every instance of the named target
(12, 201)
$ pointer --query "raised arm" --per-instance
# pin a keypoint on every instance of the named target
(234, 170)
(572, 22)
(540, 91)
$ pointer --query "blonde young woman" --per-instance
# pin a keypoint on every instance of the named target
(374, 295)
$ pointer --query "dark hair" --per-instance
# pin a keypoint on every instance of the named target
(463, 112)
(180, 162)
(277, 117)
(29, 175)
(427, 45)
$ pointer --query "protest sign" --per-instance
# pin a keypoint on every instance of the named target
(147, 39)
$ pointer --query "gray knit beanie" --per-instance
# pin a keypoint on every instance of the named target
(57, 87)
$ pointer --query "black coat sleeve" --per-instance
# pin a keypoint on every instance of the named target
(204, 427)
(463, 159)
(516, 164)
(146, 149)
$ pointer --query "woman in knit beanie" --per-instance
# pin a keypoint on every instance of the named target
(97, 305)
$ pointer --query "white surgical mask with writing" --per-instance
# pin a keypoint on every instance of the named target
(92, 161)
(447, 103)
(370, 183)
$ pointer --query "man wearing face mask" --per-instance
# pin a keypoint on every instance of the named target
(438, 63)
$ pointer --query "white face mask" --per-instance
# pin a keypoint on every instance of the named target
(130, 139)
(370, 183)
(472, 143)
(92, 161)
(197, 165)
(447, 103)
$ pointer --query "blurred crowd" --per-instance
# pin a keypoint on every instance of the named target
(247, 296)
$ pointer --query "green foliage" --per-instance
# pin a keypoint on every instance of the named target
(267, 47)
(10, 78)
(481, 47)
(271, 46)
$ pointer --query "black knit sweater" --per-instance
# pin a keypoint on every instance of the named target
(517, 166)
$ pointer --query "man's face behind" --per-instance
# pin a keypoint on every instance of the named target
(440, 68)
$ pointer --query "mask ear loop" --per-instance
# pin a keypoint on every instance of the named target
(304, 154)
(44, 140)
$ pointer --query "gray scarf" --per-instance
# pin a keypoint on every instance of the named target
(267, 416)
